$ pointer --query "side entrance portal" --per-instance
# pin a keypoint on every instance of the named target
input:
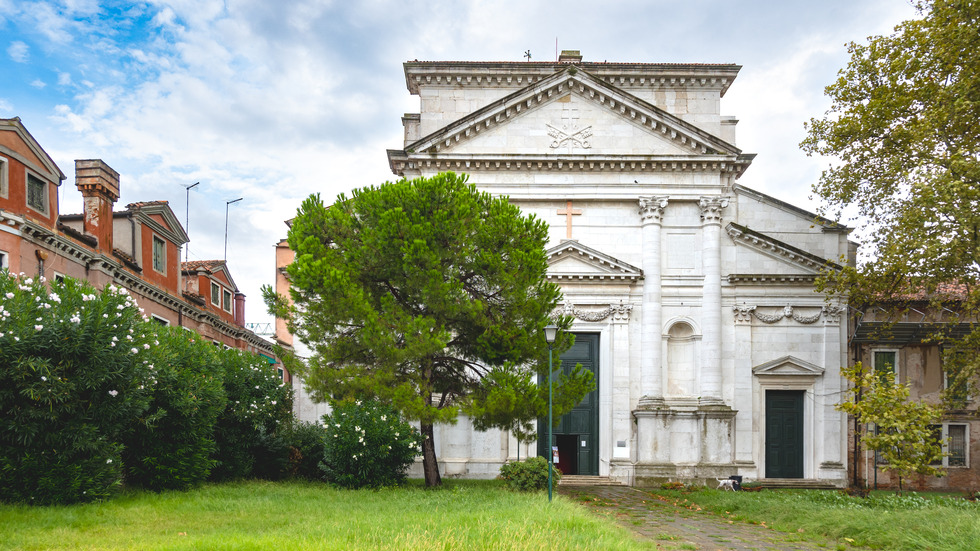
(784, 433)
(577, 435)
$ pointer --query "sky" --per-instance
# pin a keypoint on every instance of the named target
(273, 101)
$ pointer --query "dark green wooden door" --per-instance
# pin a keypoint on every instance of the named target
(784, 433)
(577, 435)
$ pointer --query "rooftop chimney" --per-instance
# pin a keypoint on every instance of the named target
(240, 309)
(99, 185)
(570, 56)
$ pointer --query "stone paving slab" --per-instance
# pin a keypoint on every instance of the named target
(673, 527)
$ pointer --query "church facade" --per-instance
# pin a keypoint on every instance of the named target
(692, 296)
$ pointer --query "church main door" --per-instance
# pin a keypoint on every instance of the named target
(784, 433)
(577, 435)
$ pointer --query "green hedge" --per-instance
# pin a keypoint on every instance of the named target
(92, 393)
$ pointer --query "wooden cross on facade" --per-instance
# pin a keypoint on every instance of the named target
(568, 212)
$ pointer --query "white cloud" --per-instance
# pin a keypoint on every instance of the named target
(6, 108)
(38, 83)
(274, 101)
(18, 51)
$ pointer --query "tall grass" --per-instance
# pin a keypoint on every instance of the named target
(263, 515)
(884, 520)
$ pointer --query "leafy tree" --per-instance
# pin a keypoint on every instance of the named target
(903, 438)
(903, 125)
(413, 292)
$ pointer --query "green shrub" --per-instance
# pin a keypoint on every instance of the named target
(172, 449)
(259, 403)
(367, 445)
(75, 373)
(528, 475)
(306, 449)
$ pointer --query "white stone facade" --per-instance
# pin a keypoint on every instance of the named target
(700, 290)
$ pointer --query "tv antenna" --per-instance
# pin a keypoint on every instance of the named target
(187, 218)
(527, 54)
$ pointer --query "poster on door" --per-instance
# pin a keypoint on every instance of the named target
(554, 454)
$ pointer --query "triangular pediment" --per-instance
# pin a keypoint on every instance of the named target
(17, 142)
(789, 366)
(572, 261)
(790, 259)
(651, 129)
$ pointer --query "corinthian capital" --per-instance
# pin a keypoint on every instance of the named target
(711, 208)
(652, 209)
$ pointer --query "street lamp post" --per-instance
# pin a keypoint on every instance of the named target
(550, 332)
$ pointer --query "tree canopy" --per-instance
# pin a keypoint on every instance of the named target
(424, 294)
(903, 128)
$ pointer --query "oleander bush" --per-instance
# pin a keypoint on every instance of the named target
(92, 394)
(259, 406)
(172, 447)
(528, 475)
(367, 444)
(75, 372)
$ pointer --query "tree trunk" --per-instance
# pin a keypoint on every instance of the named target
(430, 464)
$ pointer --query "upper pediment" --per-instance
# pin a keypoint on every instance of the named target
(572, 261)
(572, 112)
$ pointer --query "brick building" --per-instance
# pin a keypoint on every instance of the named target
(908, 338)
(137, 248)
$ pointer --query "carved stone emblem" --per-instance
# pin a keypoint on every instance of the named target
(577, 137)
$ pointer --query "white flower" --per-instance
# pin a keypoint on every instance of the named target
(38, 327)
(112, 345)
(133, 350)
(114, 339)
(273, 402)
(28, 281)
(76, 319)
(383, 418)
(120, 307)
(113, 393)
(10, 295)
(105, 316)
(17, 339)
(256, 387)
(146, 346)
(55, 297)
(108, 461)
(129, 337)
(43, 378)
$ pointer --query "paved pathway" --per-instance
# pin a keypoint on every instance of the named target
(675, 527)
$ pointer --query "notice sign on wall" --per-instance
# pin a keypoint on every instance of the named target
(554, 454)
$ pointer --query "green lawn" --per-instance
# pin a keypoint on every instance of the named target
(294, 515)
(882, 521)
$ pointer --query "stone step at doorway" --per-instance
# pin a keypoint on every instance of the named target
(584, 480)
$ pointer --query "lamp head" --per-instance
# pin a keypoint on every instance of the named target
(550, 333)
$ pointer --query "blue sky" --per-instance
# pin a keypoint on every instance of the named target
(272, 101)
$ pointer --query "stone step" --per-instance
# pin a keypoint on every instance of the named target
(584, 480)
(795, 483)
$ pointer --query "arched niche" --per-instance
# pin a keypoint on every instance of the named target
(681, 341)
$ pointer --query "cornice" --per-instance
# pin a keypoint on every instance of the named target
(401, 162)
(772, 279)
(774, 247)
(420, 74)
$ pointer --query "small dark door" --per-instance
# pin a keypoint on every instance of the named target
(784, 433)
(577, 435)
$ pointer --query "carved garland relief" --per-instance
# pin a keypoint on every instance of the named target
(619, 312)
(743, 314)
